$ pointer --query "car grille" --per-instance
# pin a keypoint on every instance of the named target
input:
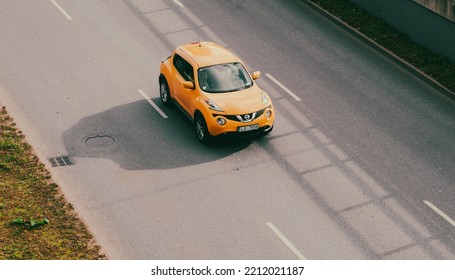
(242, 118)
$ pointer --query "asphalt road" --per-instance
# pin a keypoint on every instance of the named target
(360, 164)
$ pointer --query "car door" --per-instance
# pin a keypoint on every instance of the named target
(185, 72)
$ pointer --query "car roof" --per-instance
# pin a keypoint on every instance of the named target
(208, 53)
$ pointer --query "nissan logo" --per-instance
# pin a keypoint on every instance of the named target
(246, 117)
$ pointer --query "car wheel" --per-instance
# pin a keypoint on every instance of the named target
(269, 130)
(201, 130)
(165, 94)
(263, 134)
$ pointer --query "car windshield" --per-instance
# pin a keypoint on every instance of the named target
(224, 78)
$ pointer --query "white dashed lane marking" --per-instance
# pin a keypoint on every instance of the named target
(179, 3)
(61, 9)
(442, 214)
(283, 87)
(149, 100)
(286, 241)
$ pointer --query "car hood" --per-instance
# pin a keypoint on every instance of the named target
(239, 102)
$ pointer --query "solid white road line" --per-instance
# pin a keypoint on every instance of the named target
(442, 214)
(149, 100)
(61, 10)
(179, 3)
(283, 87)
(286, 241)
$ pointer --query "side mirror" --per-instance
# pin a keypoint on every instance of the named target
(255, 75)
(188, 84)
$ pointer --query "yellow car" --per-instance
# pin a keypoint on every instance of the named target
(212, 87)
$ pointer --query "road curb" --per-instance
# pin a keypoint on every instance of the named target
(391, 56)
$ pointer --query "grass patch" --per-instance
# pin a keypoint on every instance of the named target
(36, 222)
(439, 67)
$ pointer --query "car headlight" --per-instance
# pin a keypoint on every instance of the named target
(265, 98)
(213, 106)
(221, 121)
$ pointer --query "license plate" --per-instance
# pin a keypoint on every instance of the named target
(247, 128)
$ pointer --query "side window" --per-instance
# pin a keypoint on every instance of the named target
(184, 68)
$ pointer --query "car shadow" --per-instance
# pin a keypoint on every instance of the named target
(136, 137)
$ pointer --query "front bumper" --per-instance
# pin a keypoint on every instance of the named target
(253, 123)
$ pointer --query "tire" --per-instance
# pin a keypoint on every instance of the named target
(268, 131)
(165, 94)
(265, 133)
(201, 130)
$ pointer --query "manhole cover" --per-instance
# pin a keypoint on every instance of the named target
(100, 140)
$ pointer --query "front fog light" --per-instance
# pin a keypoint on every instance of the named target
(268, 113)
(221, 121)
